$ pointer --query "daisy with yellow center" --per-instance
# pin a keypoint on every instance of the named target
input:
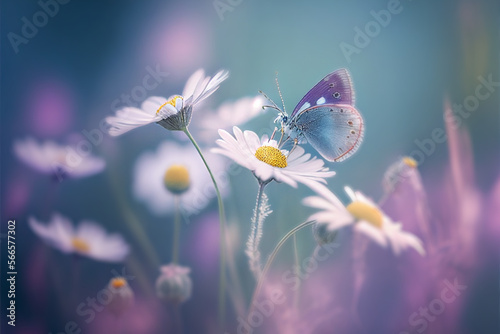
(173, 113)
(267, 162)
(365, 217)
(88, 239)
(174, 170)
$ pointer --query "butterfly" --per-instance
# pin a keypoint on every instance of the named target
(326, 118)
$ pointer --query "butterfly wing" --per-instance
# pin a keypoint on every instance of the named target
(335, 88)
(335, 131)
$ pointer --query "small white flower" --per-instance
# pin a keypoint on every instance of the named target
(366, 218)
(229, 114)
(176, 169)
(268, 162)
(57, 160)
(173, 113)
(88, 239)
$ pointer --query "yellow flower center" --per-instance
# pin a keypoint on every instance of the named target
(118, 282)
(366, 212)
(80, 245)
(271, 156)
(177, 179)
(171, 102)
(410, 162)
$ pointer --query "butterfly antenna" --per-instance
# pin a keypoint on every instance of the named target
(279, 91)
(273, 106)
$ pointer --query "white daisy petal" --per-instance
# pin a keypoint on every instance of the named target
(211, 86)
(350, 193)
(192, 83)
(371, 232)
(129, 118)
(151, 105)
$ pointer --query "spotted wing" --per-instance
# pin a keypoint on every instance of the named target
(335, 131)
(335, 88)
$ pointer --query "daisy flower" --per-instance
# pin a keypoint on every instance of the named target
(58, 160)
(267, 162)
(173, 113)
(88, 239)
(365, 216)
(174, 170)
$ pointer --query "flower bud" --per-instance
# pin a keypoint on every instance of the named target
(399, 172)
(122, 296)
(174, 284)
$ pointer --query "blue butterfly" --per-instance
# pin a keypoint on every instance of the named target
(326, 118)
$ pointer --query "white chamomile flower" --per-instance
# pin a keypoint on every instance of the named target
(365, 216)
(267, 162)
(173, 113)
(88, 239)
(176, 170)
(57, 160)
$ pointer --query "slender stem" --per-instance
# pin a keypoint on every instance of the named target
(222, 224)
(297, 269)
(271, 258)
(130, 219)
(384, 198)
(76, 279)
(178, 328)
(255, 233)
(258, 232)
(177, 230)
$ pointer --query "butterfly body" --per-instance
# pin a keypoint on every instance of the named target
(327, 119)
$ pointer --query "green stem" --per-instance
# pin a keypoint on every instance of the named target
(222, 224)
(177, 230)
(253, 238)
(297, 268)
(131, 220)
(271, 259)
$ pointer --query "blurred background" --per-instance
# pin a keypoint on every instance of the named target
(87, 60)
